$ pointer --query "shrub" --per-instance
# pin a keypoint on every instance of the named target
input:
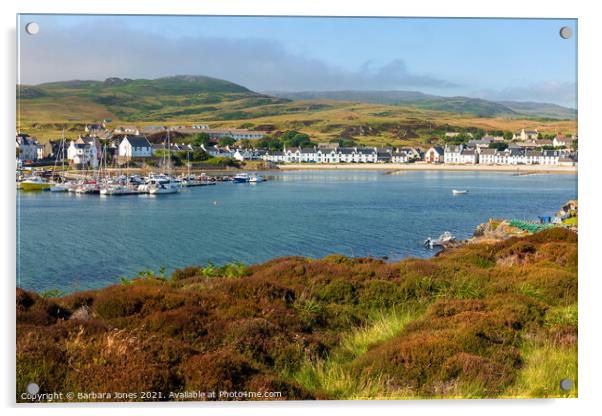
(222, 370)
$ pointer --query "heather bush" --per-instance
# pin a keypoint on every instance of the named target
(221, 370)
(474, 321)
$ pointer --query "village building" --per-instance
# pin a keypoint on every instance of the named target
(217, 134)
(487, 156)
(525, 135)
(563, 141)
(484, 141)
(241, 154)
(434, 155)
(84, 152)
(452, 153)
(384, 155)
(469, 156)
(129, 130)
(400, 156)
(135, 146)
(97, 130)
(29, 147)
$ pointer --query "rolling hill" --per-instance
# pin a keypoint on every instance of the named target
(372, 118)
(475, 106)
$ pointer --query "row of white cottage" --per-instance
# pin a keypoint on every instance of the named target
(511, 156)
(87, 151)
(343, 155)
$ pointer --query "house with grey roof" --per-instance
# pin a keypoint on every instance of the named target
(135, 146)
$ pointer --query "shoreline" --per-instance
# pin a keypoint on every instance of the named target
(569, 170)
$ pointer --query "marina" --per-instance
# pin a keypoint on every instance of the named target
(70, 240)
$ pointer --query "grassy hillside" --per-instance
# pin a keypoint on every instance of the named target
(43, 110)
(481, 320)
(467, 105)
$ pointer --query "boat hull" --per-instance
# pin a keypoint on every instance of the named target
(25, 186)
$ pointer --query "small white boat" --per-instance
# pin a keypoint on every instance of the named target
(256, 179)
(160, 187)
(459, 192)
(241, 178)
(61, 187)
(443, 239)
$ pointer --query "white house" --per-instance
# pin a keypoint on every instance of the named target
(346, 154)
(367, 155)
(308, 154)
(241, 154)
(434, 155)
(84, 152)
(275, 156)
(292, 155)
(561, 140)
(29, 148)
(135, 146)
(487, 156)
(525, 135)
(469, 156)
(400, 156)
(452, 153)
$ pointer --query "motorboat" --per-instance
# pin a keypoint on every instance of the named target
(60, 187)
(256, 179)
(241, 178)
(161, 186)
(443, 239)
(459, 191)
(35, 183)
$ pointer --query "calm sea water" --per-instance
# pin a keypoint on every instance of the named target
(73, 242)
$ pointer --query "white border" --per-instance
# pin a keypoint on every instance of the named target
(590, 130)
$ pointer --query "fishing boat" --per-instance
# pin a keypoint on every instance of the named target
(256, 179)
(459, 191)
(241, 178)
(443, 239)
(35, 183)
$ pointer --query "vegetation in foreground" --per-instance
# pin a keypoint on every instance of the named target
(481, 320)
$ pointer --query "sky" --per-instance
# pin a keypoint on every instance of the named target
(495, 59)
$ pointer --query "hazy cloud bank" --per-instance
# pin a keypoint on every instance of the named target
(98, 52)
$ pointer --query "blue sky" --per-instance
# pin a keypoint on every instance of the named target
(511, 59)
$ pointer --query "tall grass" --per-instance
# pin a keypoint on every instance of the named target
(332, 376)
(546, 364)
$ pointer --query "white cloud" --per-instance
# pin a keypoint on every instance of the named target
(108, 50)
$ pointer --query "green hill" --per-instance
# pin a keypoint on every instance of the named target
(371, 118)
(474, 106)
(143, 99)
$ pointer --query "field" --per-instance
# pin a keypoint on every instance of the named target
(480, 320)
(45, 109)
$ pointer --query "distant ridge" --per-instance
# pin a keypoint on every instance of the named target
(475, 106)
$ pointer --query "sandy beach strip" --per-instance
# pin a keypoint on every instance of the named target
(433, 167)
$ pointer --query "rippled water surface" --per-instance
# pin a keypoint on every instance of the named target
(72, 242)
